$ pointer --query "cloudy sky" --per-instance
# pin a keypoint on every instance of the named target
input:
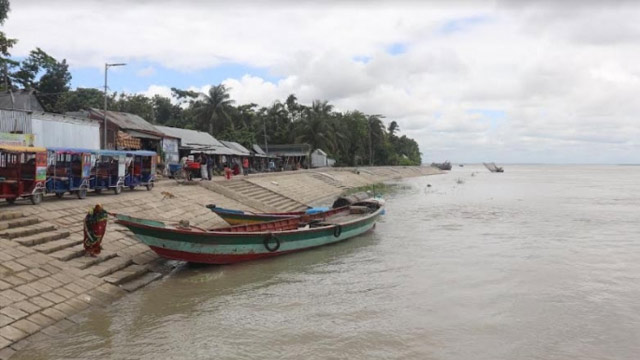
(505, 81)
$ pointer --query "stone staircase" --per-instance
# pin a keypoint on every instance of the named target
(263, 195)
(130, 273)
(328, 179)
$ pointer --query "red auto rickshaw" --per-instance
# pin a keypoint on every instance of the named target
(23, 172)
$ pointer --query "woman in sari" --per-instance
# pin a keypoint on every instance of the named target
(95, 225)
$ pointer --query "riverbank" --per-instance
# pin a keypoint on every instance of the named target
(46, 282)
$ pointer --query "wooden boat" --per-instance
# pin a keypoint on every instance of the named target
(252, 241)
(237, 217)
(493, 167)
(442, 166)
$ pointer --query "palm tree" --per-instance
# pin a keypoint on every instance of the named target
(211, 108)
(315, 128)
(376, 130)
(393, 127)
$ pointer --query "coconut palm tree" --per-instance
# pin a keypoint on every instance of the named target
(376, 131)
(315, 128)
(212, 108)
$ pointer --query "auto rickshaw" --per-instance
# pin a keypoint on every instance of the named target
(141, 169)
(69, 170)
(109, 171)
(23, 172)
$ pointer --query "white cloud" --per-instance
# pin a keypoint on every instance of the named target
(566, 76)
(146, 72)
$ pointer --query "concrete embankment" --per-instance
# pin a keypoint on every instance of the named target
(46, 281)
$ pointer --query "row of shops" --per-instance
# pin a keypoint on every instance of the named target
(24, 122)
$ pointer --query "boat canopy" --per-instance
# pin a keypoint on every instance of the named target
(13, 148)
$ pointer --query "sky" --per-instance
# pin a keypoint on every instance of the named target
(504, 81)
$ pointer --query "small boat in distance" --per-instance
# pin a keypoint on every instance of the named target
(442, 166)
(251, 241)
(493, 167)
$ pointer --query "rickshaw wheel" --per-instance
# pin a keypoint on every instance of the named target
(36, 198)
(11, 200)
(150, 186)
(59, 195)
(82, 193)
(117, 189)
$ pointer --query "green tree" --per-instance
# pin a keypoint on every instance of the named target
(314, 128)
(6, 64)
(50, 77)
(81, 99)
(212, 109)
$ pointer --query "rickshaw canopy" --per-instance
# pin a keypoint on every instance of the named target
(30, 149)
(62, 150)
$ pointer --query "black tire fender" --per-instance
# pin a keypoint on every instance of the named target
(267, 241)
(337, 230)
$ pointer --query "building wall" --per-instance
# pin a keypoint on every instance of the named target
(318, 160)
(65, 134)
(170, 148)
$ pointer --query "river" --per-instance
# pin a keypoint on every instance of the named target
(540, 262)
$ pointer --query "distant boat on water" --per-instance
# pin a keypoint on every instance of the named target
(442, 166)
(493, 167)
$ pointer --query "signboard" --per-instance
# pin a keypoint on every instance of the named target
(17, 139)
(41, 166)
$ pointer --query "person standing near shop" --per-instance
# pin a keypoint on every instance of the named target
(245, 166)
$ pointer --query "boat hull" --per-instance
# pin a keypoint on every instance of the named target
(238, 219)
(232, 247)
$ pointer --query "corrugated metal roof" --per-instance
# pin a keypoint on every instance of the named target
(40, 115)
(289, 150)
(190, 138)
(125, 121)
(20, 100)
(258, 150)
(235, 146)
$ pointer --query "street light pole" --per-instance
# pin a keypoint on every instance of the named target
(106, 69)
(266, 147)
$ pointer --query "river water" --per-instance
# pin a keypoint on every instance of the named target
(540, 262)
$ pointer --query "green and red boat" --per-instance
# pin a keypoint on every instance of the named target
(237, 217)
(253, 241)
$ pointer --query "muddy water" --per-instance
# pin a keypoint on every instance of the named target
(536, 263)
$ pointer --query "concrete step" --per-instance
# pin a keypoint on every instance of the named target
(84, 262)
(69, 253)
(8, 215)
(282, 201)
(267, 196)
(54, 246)
(27, 230)
(127, 274)
(18, 222)
(143, 280)
(110, 266)
(42, 238)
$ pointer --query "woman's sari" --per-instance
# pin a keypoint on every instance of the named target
(95, 225)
